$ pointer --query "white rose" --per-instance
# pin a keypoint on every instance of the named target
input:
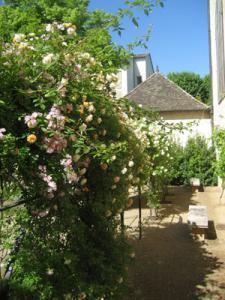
(18, 37)
(47, 59)
(99, 120)
(91, 108)
(49, 28)
(124, 171)
(71, 31)
(83, 127)
(89, 118)
(131, 164)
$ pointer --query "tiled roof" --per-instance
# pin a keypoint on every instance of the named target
(161, 94)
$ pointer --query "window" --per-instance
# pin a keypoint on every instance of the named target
(139, 80)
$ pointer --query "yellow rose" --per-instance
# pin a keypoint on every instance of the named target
(31, 138)
(86, 104)
(81, 110)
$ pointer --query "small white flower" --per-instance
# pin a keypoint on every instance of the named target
(61, 27)
(18, 37)
(49, 28)
(99, 120)
(85, 55)
(91, 108)
(131, 164)
(64, 81)
(32, 123)
(130, 177)
(124, 171)
(113, 187)
(89, 118)
(113, 157)
(71, 30)
(50, 271)
(104, 132)
(108, 77)
(47, 59)
(83, 127)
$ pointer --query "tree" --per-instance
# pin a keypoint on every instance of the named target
(199, 87)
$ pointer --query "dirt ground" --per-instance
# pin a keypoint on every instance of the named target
(170, 263)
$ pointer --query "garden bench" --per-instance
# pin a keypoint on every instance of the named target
(198, 219)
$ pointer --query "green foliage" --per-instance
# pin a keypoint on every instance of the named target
(65, 143)
(196, 160)
(70, 149)
(194, 84)
(178, 176)
(219, 138)
(29, 16)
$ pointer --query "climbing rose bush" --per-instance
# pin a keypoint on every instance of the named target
(66, 145)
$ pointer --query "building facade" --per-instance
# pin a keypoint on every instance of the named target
(139, 69)
(174, 105)
(217, 56)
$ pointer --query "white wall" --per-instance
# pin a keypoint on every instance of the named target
(217, 44)
(216, 48)
(138, 66)
(199, 123)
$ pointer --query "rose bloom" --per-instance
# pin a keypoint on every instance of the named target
(116, 179)
(47, 59)
(71, 30)
(31, 138)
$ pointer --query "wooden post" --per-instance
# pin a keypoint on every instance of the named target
(139, 206)
(122, 222)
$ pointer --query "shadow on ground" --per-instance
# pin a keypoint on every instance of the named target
(170, 265)
(177, 201)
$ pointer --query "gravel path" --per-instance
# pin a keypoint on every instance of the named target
(170, 263)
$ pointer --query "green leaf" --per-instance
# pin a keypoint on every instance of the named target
(134, 20)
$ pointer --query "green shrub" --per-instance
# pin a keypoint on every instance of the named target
(197, 160)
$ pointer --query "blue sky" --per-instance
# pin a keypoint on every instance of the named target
(179, 40)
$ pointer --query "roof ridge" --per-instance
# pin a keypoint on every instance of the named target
(192, 97)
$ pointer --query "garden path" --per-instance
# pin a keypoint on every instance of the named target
(170, 264)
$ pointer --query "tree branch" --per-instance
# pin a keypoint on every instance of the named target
(13, 204)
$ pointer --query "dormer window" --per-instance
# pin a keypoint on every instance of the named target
(139, 80)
